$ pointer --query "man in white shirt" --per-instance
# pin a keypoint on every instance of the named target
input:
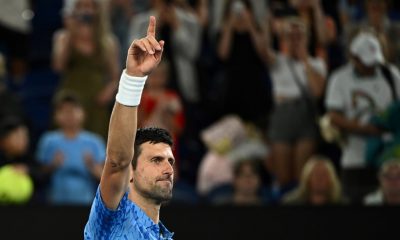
(356, 92)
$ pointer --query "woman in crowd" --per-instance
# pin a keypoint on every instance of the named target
(319, 185)
(298, 81)
(241, 49)
(86, 54)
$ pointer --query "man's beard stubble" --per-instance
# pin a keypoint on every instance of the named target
(156, 194)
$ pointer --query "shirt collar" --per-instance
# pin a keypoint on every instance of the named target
(165, 232)
(148, 223)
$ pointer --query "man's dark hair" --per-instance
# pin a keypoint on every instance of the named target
(9, 124)
(255, 165)
(66, 97)
(152, 135)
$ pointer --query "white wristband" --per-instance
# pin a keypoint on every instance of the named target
(130, 89)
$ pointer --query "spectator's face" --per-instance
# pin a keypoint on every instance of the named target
(390, 182)
(362, 68)
(69, 116)
(296, 38)
(319, 179)
(247, 182)
(154, 174)
(16, 142)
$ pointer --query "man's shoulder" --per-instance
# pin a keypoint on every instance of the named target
(90, 136)
(343, 71)
(103, 223)
(52, 136)
(342, 75)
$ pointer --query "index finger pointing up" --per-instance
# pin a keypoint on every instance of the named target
(151, 30)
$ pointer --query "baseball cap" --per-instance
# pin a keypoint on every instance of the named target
(367, 48)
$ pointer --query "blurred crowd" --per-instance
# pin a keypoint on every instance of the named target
(269, 102)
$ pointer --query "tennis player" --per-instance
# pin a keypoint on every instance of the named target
(138, 172)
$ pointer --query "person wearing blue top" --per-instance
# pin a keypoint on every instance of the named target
(74, 157)
(138, 171)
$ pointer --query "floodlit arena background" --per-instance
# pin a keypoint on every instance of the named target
(285, 114)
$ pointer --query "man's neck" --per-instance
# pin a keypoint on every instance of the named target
(151, 209)
(365, 72)
(71, 133)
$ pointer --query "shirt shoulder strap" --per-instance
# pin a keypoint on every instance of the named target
(389, 79)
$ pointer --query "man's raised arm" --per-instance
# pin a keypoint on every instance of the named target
(143, 56)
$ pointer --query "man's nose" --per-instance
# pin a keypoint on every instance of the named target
(168, 168)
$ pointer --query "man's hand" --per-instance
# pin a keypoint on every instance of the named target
(58, 160)
(144, 54)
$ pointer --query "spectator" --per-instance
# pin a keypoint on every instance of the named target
(298, 81)
(228, 140)
(321, 28)
(72, 155)
(247, 183)
(246, 188)
(319, 185)
(180, 29)
(389, 189)
(377, 19)
(357, 91)
(14, 142)
(241, 29)
(86, 54)
(15, 156)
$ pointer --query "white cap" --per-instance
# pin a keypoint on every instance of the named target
(367, 48)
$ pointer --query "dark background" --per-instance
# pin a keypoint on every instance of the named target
(219, 223)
